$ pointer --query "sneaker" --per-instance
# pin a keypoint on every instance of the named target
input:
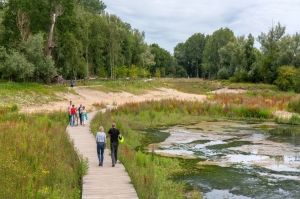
(113, 165)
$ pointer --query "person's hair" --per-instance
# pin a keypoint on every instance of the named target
(113, 124)
(73, 105)
(101, 129)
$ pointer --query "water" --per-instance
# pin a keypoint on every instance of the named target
(238, 160)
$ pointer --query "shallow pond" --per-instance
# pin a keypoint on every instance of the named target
(238, 160)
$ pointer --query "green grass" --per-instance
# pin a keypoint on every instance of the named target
(136, 86)
(37, 159)
(24, 94)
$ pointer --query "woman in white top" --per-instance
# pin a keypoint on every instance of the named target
(100, 140)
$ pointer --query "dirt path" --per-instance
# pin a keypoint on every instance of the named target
(89, 98)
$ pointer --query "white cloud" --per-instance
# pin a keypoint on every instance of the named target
(168, 22)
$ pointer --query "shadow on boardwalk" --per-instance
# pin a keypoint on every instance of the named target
(100, 182)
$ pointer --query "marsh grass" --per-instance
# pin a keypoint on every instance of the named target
(294, 105)
(37, 159)
(254, 99)
(28, 93)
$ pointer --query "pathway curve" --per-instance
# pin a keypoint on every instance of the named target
(100, 182)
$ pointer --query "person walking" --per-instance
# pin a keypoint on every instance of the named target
(114, 143)
(80, 113)
(84, 115)
(73, 115)
(69, 113)
(100, 140)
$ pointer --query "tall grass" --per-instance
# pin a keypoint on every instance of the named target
(294, 105)
(255, 99)
(37, 159)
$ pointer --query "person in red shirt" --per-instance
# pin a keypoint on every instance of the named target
(73, 114)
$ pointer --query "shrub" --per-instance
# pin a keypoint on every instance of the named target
(294, 105)
(16, 67)
(288, 78)
(223, 73)
(44, 66)
(121, 72)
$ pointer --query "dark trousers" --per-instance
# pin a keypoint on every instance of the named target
(100, 151)
(114, 152)
(80, 118)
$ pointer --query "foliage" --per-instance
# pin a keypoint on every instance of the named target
(15, 66)
(294, 105)
(37, 159)
(44, 65)
(288, 78)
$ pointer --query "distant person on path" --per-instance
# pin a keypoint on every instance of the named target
(80, 113)
(73, 115)
(84, 115)
(100, 140)
(114, 143)
(69, 113)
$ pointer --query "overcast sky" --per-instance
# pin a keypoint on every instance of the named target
(168, 22)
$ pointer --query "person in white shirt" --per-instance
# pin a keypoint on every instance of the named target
(100, 140)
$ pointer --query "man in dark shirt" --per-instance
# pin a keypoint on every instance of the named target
(114, 143)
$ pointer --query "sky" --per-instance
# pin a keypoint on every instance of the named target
(168, 22)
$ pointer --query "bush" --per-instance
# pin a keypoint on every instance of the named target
(16, 67)
(288, 78)
(121, 72)
(223, 73)
(44, 66)
(294, 105)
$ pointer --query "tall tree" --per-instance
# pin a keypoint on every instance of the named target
(270, 49)
(216, 41)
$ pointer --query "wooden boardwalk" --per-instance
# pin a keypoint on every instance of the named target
(100, 182)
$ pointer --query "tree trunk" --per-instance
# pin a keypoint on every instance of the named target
(50, 42)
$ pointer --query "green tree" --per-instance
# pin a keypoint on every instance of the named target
(270, 43)
(211, 59)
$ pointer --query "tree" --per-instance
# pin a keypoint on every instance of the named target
(270, 50)
(215, 42)
(163, 60)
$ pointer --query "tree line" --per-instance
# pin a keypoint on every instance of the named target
(41, 39)
(222, 55)
(75, 39)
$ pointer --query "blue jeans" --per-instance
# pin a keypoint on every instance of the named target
(100, 152)
(114, 152)
(72, 120)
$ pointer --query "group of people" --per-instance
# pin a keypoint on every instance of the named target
(115, 136)
(77, 115)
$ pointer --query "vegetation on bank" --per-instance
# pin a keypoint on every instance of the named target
(25, 94)
(37, 158)
(152, 174)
